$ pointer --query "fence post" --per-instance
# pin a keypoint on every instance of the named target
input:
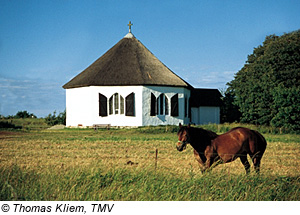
(156, 153)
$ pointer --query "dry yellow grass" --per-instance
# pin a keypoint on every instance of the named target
(71, 149)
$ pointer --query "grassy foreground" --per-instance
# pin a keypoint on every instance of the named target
(119, 184)
(121, 164)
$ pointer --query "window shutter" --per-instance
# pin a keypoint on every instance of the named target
(102, 105)
(166, 106)
(121, 105)
(174, 106)
(157, 106)
(111, 105)
(130, 107)
(161, 106)
(152, 105)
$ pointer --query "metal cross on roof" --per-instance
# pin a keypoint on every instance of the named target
(130, 24)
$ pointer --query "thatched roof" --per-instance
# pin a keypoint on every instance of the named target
(205, 97)
(128, 62)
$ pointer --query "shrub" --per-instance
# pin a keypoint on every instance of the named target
(52, 119)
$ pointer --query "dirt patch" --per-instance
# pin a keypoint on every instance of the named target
(57, 127)
(9, 134)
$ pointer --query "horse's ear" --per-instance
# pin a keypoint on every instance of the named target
(180, 125)
(189, 125)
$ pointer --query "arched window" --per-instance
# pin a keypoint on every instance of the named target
(116, 104)
(160, 105)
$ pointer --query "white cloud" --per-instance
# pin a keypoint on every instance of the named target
(35, 96)
(205, 76)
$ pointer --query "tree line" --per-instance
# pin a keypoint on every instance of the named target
(51, 119)
(266, 91)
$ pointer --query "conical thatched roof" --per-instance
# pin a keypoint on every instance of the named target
(129, 62)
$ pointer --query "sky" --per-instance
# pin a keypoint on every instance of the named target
(45, 43)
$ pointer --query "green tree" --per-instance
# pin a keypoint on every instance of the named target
(256, 88)
(287, 102)
(229, 111)
(24, 114)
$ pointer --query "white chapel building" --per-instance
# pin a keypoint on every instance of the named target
(129, 86)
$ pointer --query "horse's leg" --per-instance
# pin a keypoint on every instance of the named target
(212, 161)
(200, 161)
(245, 162)
(201, 167)
(256, 162)
(207, 164)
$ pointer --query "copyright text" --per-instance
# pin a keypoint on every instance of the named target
(57, 208)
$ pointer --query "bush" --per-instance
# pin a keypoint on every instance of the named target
(4, 124)
(52, 119)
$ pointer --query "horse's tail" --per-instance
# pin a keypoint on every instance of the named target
(261, 143)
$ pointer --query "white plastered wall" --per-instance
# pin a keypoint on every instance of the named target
(169, 92)
(82, 106)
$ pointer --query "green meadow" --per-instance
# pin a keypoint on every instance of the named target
(137, 164)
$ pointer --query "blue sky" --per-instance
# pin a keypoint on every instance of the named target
(45, 43)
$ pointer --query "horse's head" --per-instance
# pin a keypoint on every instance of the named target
(183, 137)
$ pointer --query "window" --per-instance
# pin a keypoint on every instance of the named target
(116, 104)
(174, 105)
(102, 105)
(160, 105)
(130, 105)
(116, 101)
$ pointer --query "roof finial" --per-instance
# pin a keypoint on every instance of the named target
(130, 24)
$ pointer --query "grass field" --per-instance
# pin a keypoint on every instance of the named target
(121, 164)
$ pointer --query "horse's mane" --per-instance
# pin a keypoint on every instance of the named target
(205, 134)
(212, 135)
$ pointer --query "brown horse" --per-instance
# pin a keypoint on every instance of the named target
(211, 148)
